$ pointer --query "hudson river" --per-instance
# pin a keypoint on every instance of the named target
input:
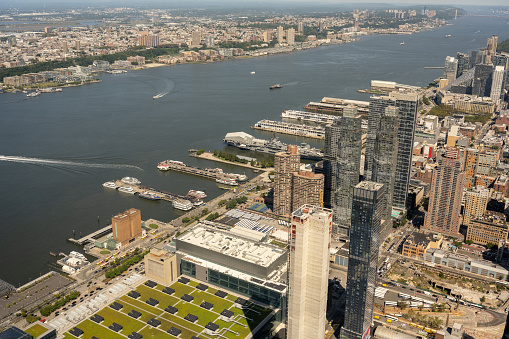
(84, 136)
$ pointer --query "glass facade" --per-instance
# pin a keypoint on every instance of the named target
(188, 268)
(342, 158)
(367, 211)
(407, 107)
(249, 289)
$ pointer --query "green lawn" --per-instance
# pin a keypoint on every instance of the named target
(243, 328)
(91, 329)
(36, 330)
(154, 226)
(111, 316)
(68, 336)
(141, 304)
(105, 252)
(219, 303)
(181, 289)
(163, 298)
(150, 332)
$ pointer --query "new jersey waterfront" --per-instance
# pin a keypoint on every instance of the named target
(85, 136)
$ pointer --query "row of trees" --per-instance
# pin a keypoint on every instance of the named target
(423, 319)
(116, 271)
(232, 203)
(229, 157)
(47, 310)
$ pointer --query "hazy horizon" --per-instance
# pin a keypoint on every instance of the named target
(320, 4)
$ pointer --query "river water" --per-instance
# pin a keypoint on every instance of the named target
(84, 136)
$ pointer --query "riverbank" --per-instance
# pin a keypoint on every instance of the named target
(32, 88)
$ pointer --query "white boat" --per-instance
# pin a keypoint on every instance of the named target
(33, 94)
(402, 43)
(130, 181)
(110, 184)
(227, 181)
(196, 194)
(127, 189)
(163, 167)
(253, 72)
(184, 205)
(198, 203)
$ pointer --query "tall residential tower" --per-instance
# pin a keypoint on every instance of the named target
(407, 103)
(308, 272)
(367, 212)
(342, 159)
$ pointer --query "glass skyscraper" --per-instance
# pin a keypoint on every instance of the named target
(343, 145)
(367, 212)
(407, 103)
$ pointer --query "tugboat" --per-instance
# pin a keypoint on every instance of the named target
(276, 86)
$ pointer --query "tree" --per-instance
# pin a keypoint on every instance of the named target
(469, 242)
(483, 299)
(490, 245)
(402, 304)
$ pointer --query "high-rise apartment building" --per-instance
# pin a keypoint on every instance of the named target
(497, 83)
(280, 34)
(491, 46)
(196, 39)
(367, 211)
(290, 36)
(450, 68)
(478, 166)
(267, 36)
(463, 63)
(77, 45)
(126, 226)
(300, 27)
(64, 46)
(308, 272)
(407, 103)
(148, 40)
(482, 80)
(476, 200)
(209, 41)
(307, 188)
(285, 164)
(384, 161)
(343, 144)
(443, 215)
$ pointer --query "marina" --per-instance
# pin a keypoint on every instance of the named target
(210, 173)
(289, 128)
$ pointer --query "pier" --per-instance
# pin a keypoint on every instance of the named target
(163, 194)
(293, 129)
(209, 173)
(91, 237)
(318, 118)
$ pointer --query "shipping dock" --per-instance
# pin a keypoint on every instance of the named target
(315, 132)
(311, 117)
(209, 173)
(246, 141)
(334, 106)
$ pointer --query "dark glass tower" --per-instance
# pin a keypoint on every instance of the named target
(463, 63)
(482, 80)
(407, 103)
(343, 145)
(367, 211)
(384, 161)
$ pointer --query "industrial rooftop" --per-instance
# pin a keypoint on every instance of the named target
(231, 245)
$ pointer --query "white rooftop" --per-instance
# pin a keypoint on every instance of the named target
(232, 245)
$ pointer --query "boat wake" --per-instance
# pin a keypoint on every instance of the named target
(64, 163)
(160, 95)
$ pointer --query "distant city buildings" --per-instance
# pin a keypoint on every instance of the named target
(148, 40)
(308, 272)
(367, 213)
